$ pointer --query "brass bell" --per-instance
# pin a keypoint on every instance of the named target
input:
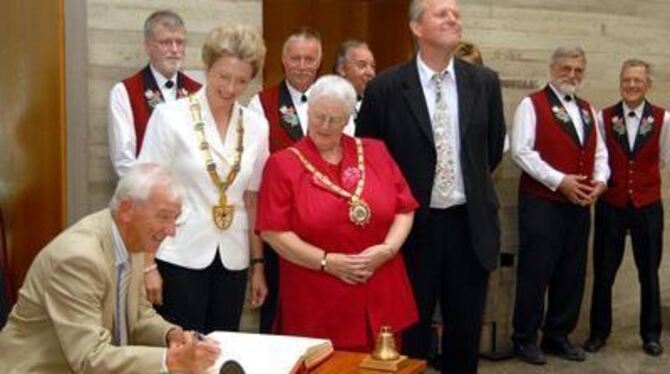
(385, 346)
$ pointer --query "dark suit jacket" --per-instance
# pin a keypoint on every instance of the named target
(395, 111)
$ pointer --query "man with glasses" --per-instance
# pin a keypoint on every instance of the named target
(132, 101)
(81, 308)
(557, 145)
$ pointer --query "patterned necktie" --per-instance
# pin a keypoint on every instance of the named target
(444, 182)
(122, 279)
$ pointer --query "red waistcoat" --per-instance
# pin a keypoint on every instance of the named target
(557, 143)
(282, 134)
(635, 174)
(141, 88)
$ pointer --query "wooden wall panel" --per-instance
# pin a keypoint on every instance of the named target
(32, 127)
(375, 21)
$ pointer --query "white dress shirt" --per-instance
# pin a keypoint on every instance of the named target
(172, 141)
(529, 160)
(450, 93)
(299, 105)
(350, 128)
(121, 124)
(633, 125)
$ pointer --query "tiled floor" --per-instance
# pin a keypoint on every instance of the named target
(622, 355)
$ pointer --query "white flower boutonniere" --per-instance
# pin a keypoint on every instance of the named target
(618, 126)
(646, 125)
(586, 114)
(153, 97)
(289, 115)
(561, 114)
(182, 92)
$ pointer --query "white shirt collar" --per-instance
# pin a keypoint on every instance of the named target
(296, 96)
(160, 79)
(426, 73)
(120, 250)
(637, 111)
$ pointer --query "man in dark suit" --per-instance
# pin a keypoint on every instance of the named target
(442, 120)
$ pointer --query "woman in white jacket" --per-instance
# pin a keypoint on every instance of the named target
(217, 150)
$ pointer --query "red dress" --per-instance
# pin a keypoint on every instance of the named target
(314, 303)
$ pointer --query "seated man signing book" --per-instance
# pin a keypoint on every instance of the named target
(82, 307)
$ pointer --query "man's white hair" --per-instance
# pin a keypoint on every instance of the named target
(416, 9)
(137, 184)
(567, 52)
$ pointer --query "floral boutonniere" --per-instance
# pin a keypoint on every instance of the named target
(289, 115)
(618, 126)
(646, 125)
(153, 97)
(350, 177)
(561, 114)
(182, 92)
(586, 115)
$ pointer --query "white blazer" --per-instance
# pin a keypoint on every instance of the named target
(172, 141)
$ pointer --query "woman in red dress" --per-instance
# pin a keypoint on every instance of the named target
(337, 210)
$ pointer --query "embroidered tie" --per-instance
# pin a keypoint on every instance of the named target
(444, 182)
(122, 278)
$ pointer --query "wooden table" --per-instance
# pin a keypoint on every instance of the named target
(347, 363)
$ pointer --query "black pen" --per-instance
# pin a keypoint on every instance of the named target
(198, 336)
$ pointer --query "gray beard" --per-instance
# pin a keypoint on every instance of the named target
(568, 89)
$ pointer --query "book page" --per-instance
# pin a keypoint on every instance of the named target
(262, 353)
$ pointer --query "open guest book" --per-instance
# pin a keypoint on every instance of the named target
(270, 354)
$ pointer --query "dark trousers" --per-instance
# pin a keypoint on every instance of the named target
(441, 263)
(271, 269)
(204, 300)
(646, 230)
(553, 241)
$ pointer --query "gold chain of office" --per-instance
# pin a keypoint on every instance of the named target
(359, 210)
(222, 214)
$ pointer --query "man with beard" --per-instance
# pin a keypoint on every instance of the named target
(636, 136)
(557, 145)
(132, 101)
(284, 106)
(442, 121)
(355, 63)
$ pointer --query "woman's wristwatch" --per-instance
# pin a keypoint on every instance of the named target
(256, 260)
(324, 261)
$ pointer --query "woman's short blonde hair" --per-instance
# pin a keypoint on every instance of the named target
(241, 42)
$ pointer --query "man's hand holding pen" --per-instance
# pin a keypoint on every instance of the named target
(191, 351)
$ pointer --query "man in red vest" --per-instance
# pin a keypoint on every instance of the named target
(284, 105)
(563, 159)
(636, 136)
(132, 101)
